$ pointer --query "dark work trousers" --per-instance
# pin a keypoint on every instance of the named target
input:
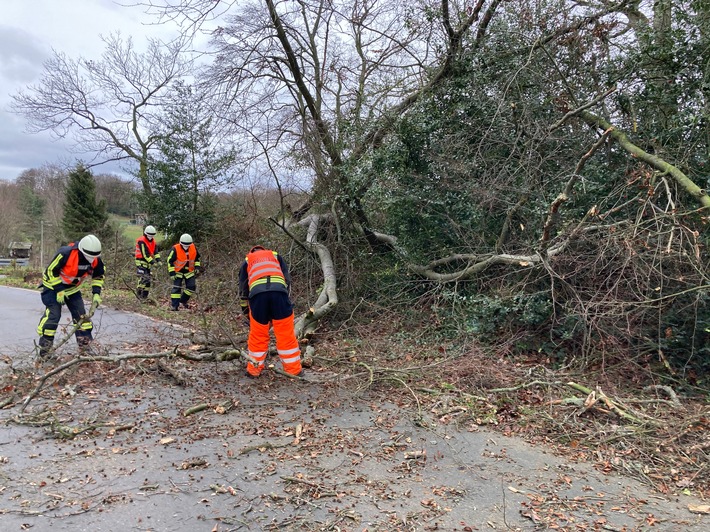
(53, 313)
(268, 306)
(177, 294)
(144, 281)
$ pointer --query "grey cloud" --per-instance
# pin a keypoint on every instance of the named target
(21, 55)
(20, 151)
(70, 27)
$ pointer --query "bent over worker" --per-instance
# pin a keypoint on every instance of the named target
(264, 287)
(61, 283)
(146, 255)
(183, 263)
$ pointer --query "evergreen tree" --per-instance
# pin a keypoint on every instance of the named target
(83, 214)
(189, 169)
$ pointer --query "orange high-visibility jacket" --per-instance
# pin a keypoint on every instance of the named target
(263, 270)
(179, 259)
(263, 267)
(146, 251)
(68, 269)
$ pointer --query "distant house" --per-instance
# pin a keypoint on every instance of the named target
(139, 219)
(20, 250)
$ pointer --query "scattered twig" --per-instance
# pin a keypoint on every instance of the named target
(667, 390)
(195, 409)
(524, 385)
(178, 376)
(264, 445)
(594, 396)
(321, 492)
(224, 407)
(81, 359)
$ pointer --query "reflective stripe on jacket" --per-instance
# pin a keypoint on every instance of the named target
(69, 269)
(263, 268)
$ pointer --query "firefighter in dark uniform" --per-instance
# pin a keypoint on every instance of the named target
(264, 287)
(183, 265)
(146, 255)
(61, 283)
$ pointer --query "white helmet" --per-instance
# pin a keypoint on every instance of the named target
(186, 239)
(90, 246)
(149, 231)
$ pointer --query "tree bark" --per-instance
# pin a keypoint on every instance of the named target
(698, 194)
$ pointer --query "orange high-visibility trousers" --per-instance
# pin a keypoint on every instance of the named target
(286, 345)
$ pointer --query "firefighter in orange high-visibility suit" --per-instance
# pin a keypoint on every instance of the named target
(264, 287)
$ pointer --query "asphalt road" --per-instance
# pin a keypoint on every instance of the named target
(21, 310)
(284, 455)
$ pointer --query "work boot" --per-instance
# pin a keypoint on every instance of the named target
(85, 347)
(175, 307)
(45, 346)
(253, 371)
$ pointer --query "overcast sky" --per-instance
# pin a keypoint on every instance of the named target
(29, 30)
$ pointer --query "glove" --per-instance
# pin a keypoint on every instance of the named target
(96, 299)
(172, 274)
(245, 309)
(60, 297)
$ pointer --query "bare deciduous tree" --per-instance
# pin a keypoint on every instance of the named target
(318, 84)
(108, 107)
(322, 86)
(10, 214)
